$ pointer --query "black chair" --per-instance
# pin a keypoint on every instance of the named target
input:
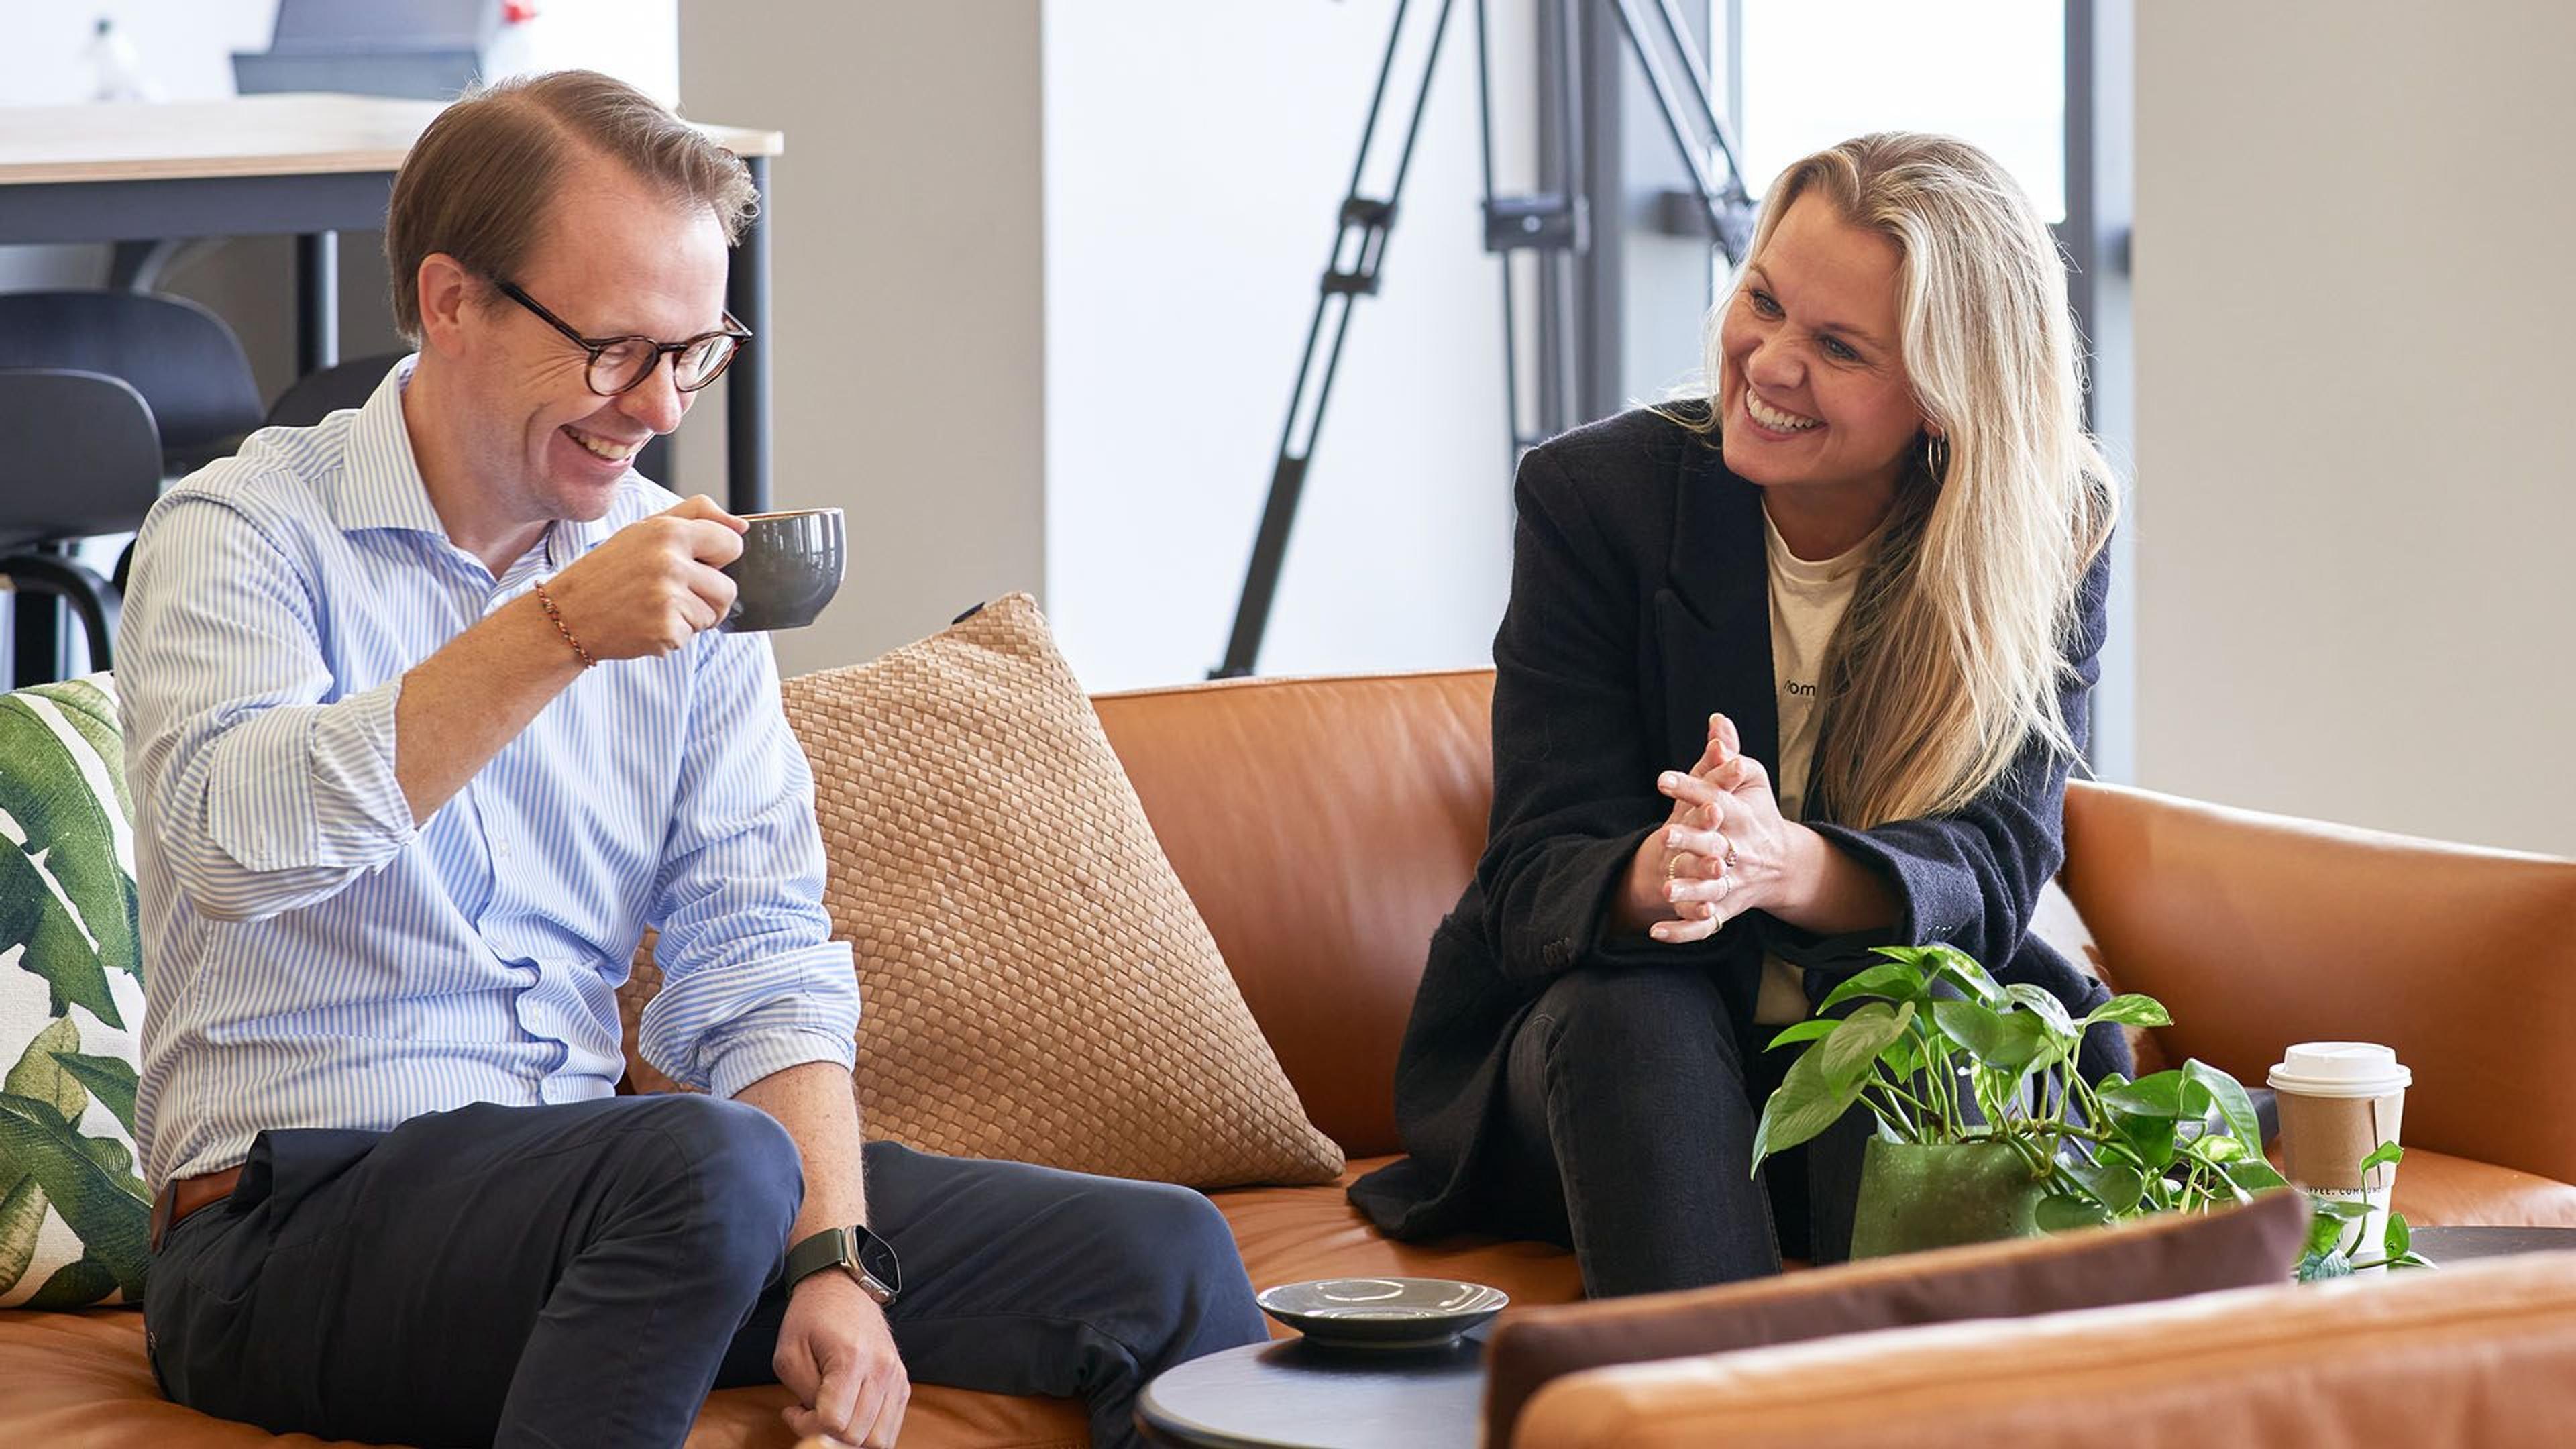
(182, 358)
(317, 395)
(83, 459)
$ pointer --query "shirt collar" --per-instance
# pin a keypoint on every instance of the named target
(379, 483)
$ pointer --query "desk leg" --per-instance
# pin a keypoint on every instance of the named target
(317, 299)
(747, 381)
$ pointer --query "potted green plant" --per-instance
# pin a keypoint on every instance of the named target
(1984, 1127)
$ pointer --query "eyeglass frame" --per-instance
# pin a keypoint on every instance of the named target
(598, 346)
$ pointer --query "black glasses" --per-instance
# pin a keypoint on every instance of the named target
(620, 364)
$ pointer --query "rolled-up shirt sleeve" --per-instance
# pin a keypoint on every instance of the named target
(271, 789)
(752, 982)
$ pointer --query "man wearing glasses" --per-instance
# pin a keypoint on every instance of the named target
(428, 724)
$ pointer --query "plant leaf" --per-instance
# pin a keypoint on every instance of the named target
(2024, 1042)
(2254, 1175)
(30, 914)
(2387, 1155)
(106, 1209)
(1903, 1057)
(113, 1157)
(2157, 1096)
(1971, 1025)
(2216, 1148)
(2059, 1212)
(1805, 1104)
(2325, 1230)
(1959, 967)
(1808, 1030)
(2316, 1267)
(2143, 1112)
(74, 1285)
(2399, 1240)
(92, 712)
(1850, 1053)
(2130, 1009)
(22, 1217)
(39, 1075)
(2234, 1106)
(2116, 1187)
(2043, 1004)
(110, 1079)
(2331, 1224)
(51, 800)
(1888, 980)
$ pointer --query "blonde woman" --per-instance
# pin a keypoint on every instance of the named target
(1788, 671)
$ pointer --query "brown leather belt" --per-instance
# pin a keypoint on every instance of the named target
(186, 1195)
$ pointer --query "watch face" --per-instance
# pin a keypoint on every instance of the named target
(876, 1259)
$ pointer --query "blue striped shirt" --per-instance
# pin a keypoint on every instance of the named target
(312, 958)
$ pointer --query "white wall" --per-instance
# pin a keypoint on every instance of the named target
(1196, 156)
(906, 343)
(2354, 498)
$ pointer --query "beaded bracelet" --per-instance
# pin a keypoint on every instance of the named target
(548, 601)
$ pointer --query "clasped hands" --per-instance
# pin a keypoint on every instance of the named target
(1725, 849)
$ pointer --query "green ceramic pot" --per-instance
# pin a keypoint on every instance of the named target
(1914, 1197)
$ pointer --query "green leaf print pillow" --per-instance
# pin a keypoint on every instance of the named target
(72, 1209)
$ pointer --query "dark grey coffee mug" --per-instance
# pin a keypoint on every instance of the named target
(790, 568)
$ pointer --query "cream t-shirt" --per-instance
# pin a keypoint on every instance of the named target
(1808, 600)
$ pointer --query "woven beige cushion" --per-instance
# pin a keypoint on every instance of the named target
(1034, 982)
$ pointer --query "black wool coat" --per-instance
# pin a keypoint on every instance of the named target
(1640, 604)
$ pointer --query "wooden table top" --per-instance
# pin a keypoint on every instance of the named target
(267, 135)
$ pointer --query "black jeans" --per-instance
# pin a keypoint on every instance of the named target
(583, 1274)
(1631, 1099)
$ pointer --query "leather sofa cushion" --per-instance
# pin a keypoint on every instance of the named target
(2159, 1257)
(80, 1381)
(1323, 827)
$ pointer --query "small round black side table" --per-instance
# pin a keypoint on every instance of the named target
(1293, 1394)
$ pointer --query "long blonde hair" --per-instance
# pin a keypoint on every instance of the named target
(1950, 656)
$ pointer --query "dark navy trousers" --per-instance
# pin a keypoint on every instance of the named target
(1631, 1096)
(582, 1274)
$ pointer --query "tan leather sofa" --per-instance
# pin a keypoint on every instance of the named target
(1323, 827)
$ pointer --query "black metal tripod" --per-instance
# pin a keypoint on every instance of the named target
(1549, 223)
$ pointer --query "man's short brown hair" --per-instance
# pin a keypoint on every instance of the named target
(478, 183)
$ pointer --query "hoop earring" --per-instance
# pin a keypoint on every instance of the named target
(1936, 457)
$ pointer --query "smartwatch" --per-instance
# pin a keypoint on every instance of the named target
(862, 1254)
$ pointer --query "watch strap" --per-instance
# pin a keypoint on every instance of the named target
(853, 1249)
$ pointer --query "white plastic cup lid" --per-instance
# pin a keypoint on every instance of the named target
(2340, 1069)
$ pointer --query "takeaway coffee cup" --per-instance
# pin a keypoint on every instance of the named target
(2339, 1101)
(790, 568)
